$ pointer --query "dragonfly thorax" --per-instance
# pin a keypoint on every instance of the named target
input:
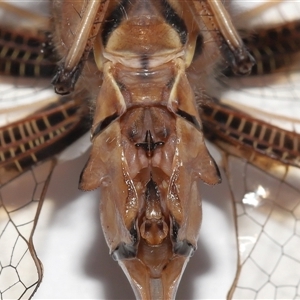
(143, 37)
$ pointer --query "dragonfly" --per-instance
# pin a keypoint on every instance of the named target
(245, 169)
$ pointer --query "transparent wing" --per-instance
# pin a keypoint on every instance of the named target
(75, 273)
(34, 125)
(266, 195)
(201, 275)
(21, 270)
(268, 211)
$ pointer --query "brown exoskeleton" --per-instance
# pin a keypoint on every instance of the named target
(148, 118)
(148, 151)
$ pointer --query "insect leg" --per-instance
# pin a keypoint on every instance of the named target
(217, 21)
(87, 29)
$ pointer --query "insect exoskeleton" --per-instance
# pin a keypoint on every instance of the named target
(148, 151)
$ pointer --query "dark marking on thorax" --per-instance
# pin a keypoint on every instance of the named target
(174, 20)
(114, 20)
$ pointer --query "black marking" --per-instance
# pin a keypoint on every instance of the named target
(175, 229)
(199, 46)
(240, 60)
(134, 234)
(19, 40)
(221, 117)
(64, 80)
(189, 118)
(54, 141)
(121, 85)
(24, 56)
(235, 123)
(288, 142)
(114, 20)
(247, 127)
(152, 193)
(124, 251)
(103, 124)
(272, 34)
(7, 36)
(174, 20)
(144, 61)
(149, 145)
(170, 84)
(184, 248)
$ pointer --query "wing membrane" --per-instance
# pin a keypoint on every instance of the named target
(266, 195)
(275, 208)
(18, 219)
(30, 134)
(267, 209)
